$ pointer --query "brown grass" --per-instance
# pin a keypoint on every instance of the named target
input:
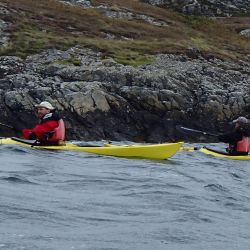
(41, 24)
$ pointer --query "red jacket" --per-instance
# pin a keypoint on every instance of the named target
(40, 130)
(47, 124)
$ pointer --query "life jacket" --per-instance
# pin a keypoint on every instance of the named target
(243, 145)
(58, 133)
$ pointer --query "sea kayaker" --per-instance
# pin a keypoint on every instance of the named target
(50, 130)
(239, 139)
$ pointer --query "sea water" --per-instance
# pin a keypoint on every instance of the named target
(74, 200)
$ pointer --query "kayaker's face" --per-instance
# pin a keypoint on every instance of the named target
(237, 125)
(42, 112)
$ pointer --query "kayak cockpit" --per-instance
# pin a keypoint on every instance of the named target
(226, 153)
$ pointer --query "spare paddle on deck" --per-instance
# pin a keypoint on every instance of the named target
(191, 149)
(192, 131)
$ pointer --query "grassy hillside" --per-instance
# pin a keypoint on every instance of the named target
(42, 24)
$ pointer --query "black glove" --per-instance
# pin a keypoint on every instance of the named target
(48, 135)
(32, 136)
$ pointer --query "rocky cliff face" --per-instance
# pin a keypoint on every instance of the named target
(101, 99)
(205, 7)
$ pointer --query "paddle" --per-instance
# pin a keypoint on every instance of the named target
(193, 131)
(28, 142)
(7, 126)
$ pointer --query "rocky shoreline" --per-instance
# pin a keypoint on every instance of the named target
(101, 99)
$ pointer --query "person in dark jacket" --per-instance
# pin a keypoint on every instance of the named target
(241, 129)
(49, 122)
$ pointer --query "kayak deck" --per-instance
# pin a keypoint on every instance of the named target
(213, 152)
(153, 151)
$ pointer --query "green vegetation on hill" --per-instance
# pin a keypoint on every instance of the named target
(43, 24)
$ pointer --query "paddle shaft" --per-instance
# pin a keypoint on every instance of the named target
(7, 126)
(191, 131)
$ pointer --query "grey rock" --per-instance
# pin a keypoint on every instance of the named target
(82, 3)
(115, 12)
(3, 9)
(10, 65)
(101, 99)
(245, 33)
(208, 7)
(4, 35)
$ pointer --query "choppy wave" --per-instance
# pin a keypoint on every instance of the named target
(15, 179)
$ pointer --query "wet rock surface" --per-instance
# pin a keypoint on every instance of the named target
(100, 99)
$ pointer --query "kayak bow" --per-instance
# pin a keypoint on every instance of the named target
(147, 151)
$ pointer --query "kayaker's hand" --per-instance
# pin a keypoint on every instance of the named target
(48, 135)
(32, 136)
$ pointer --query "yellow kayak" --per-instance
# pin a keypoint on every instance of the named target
(153, 151)
(224, 155)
